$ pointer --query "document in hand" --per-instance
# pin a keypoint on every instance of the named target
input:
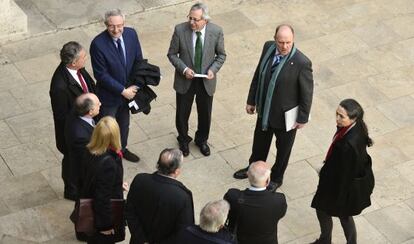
(200, 76)
(290, 118)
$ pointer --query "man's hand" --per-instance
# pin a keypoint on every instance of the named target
(108, 232)
(298, 125)
(125, 186)
(250, 109)
(130, 92)
(210, 75)
(189, 74)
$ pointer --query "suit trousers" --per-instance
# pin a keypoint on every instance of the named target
(204, 104)
(71, 186)
(121, 114)
(325, 222)
(261, 145)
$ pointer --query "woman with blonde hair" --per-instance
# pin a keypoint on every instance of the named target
(103, 179)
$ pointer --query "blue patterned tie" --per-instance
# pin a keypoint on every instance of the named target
(276, 63)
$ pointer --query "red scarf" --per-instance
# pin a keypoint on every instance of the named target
(339, 134)
(118, 152)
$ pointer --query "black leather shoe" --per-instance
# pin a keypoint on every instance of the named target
(204, 149)
(185, 149)
(132, 157)
(241, 174)
(273, 186)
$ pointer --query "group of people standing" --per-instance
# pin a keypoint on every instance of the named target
(159, 208)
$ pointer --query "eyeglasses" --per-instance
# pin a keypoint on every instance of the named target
(113, 27)
(193, 19)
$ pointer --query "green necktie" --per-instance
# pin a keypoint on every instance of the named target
(198, 55)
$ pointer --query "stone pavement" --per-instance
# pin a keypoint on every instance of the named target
(362, 49)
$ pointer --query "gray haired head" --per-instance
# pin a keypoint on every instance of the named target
(214, 215)
(113, 12)
(203, 8)
(70, 52)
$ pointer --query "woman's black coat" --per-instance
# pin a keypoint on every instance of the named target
(346, 180)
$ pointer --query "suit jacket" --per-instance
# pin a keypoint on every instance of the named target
(158, 208)
(255, 215)
(294, 87)
(63, 91)
(103, 177)
(346, 180)
(181, 55)
(77, 134)
(110, 73)
(194, 234)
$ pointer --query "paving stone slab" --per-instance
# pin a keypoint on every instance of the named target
(401, 25)
(159, 122)
(385, 155)
(398, 83)
(33, 97)
(196, 176)
(7, 137)
(151, 4)
(33, 126)
(26, 191)
(9, 107)
(394, 222)
(295, 175)
(42, 45)
(80, 12)
(28, 158)
(391, 188)
(400, 110)
(405, 140)
(10, 77)
(40, 68)
(53, 176)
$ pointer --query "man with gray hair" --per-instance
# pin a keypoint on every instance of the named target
(255, 212)
(113, 54)
(69, 81)
(211, 229)
(197, 54)
(159, 206)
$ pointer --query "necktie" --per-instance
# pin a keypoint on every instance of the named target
(276, 62)
(82, 82)
(198, 54)
(120, 50)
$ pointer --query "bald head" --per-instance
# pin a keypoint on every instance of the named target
(259, 174)
(87, 104)
(169, 162)
(284, 37)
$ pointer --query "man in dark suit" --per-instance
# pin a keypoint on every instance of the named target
(197, 47)
(282, 81)
(113, 53)
(158, 206)
(255, 212)
(68, 82)
(211, 229)
(78, 132)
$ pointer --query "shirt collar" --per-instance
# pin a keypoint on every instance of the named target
(253, 188)
(88, 120)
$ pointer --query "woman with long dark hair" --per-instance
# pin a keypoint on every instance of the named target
(103, 180)
(345, 180)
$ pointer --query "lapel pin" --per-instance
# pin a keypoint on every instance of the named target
(291, 63)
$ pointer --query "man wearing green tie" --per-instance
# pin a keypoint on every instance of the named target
(197, 53)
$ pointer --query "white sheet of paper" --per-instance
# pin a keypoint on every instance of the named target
(200, 76)
(133, 104)
(290, 118)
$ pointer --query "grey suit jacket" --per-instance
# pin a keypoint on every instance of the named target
(181, 55)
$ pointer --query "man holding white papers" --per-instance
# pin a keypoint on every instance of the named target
(282, 81)
(197, 53)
